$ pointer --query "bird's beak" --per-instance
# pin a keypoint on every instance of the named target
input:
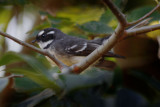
(34, 41)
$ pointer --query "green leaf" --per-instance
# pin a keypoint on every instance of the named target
(121, 3)
(106, 17)
(3, 83)
(61, 23)
(38, 66)
(141, 12)
(96, 28)
(58, 20)
(25, 84)
(42, 76)
(35, 100)
(134, 4)
(8, 58)
(35, 64)
(72, 82)
(38, 78)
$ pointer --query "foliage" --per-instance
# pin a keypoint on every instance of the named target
(96, 28)
(43, 85)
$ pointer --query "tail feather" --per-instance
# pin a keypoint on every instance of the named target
(107, 65)
(111, 54)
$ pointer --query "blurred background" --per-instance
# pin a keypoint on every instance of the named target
(135, 82)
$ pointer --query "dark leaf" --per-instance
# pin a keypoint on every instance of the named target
(25, 85)
(72, 82)
(121, 3)
(30, 102)
(128, 98)
(9, 58)
(57, 20)
(118, 78)
(141, 12)
(96, 28)
(39, 73)
(12, 57)
(38, 78)
(88, 98)
(148, 79)
(106, 17)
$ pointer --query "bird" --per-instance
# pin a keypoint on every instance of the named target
(70, 49)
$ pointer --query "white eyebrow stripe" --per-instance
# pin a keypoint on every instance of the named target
(40, 33)
(83, 48)
(51, 32)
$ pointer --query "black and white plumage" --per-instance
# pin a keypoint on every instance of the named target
(68, 49)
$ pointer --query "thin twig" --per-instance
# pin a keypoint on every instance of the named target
(59, 63)
(140, 24)
(116, 11)
(142, 30)
(145, 16)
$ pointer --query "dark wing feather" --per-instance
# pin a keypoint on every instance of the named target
(80, 50)
(80, 47)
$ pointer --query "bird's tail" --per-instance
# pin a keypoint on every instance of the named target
(107, 65)
(108, 54)
(111, 54)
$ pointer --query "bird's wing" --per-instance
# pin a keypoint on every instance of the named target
(85, 48)
(80, 48)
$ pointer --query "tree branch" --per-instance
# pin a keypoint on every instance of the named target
(145, 16)
(59, 63)
(114, 38)
(106, 46)
(116, 11)
(140, 24)
(141, 30)
(96, 54)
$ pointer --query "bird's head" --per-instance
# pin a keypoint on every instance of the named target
(47, 36)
